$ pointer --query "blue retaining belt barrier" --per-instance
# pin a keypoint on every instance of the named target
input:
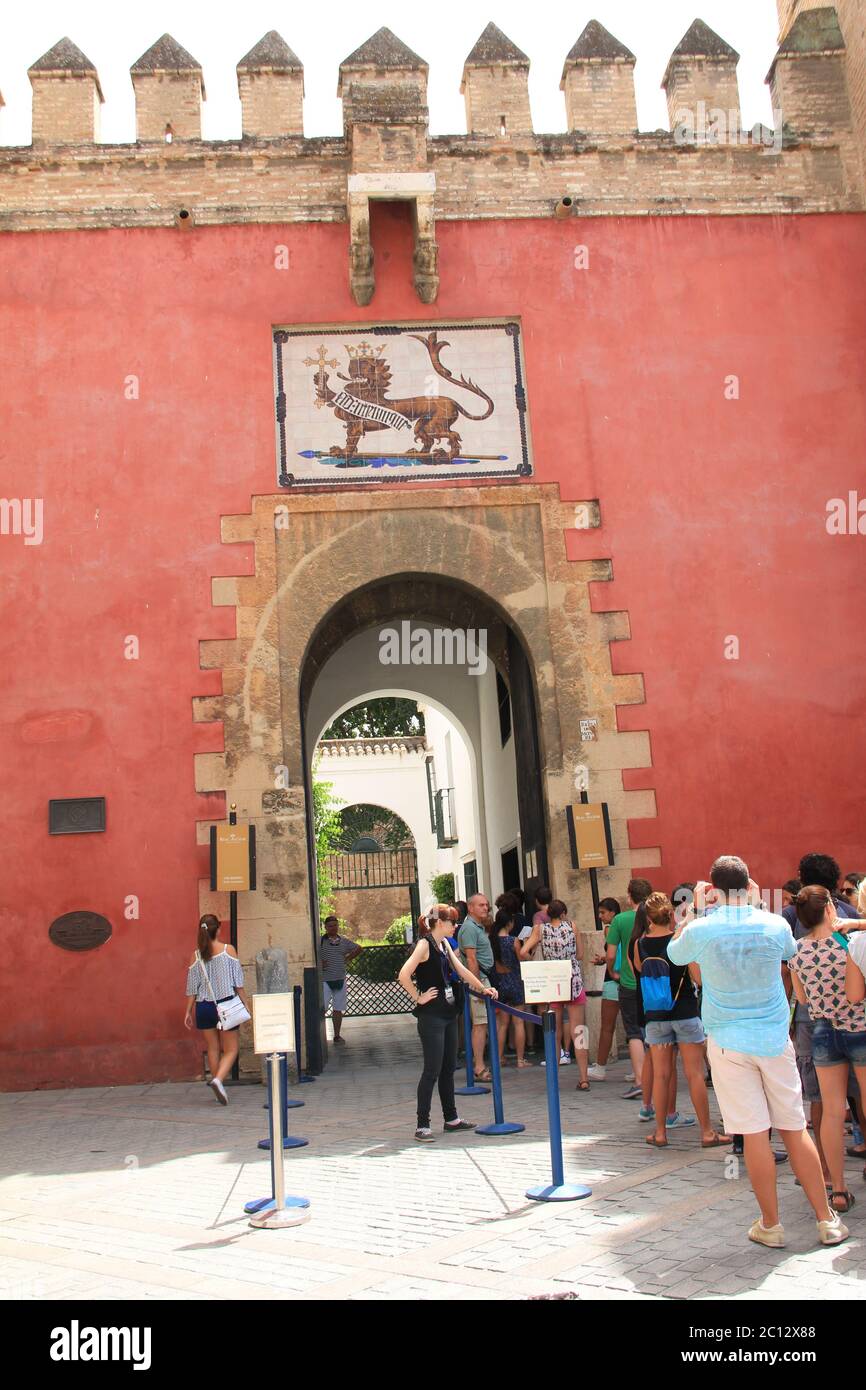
(558, 1190)
(500, 1124)
(470, 1089)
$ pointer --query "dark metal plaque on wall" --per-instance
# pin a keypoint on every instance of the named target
(80, 931)
(80, 815)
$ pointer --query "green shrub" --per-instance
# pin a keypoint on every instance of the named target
(396, 933)
(442, 888)
(379, 963)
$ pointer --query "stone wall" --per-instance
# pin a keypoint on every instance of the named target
(501, 168)
(546, 597)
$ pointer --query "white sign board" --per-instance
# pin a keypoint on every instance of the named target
(546, 981)
(273, 1023)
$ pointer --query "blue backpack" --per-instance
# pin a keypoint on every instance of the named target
(655, 984)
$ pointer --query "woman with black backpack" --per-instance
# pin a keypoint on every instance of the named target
(670, 1006)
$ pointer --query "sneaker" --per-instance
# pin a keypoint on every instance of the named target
(832, 1232)
(425, 1136)
(646, 1113)
(597, 1072)
(774, 1236)
(219, 1091)
(678, 1121)
(564, 1058)
(452, 1126)
(632, 1093)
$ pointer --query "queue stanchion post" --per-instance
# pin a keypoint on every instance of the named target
(470, 1089)
(558, 1190)
(303, 1078)
(278, 1209)
(289, 1141)
(500, 1124)
(288, 1103)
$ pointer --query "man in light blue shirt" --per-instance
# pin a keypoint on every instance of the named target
(737, 951)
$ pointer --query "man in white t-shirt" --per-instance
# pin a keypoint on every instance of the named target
(336, 952)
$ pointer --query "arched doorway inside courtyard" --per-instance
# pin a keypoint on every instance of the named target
(470, 787)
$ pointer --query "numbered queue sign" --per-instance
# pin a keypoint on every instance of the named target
(546, 981)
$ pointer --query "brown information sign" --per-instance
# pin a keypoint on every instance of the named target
(589, 835)
(232, 858)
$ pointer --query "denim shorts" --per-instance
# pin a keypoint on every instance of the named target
(206, 1015)
(674, 1030)
(610, 990)
(833, 1048)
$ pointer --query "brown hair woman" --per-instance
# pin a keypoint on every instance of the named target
(214, 975)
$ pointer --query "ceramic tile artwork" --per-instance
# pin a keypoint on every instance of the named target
(399, 403)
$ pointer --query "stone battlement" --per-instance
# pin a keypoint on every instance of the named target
(705, 163)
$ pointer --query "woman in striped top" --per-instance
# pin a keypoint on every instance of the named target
(214, 974)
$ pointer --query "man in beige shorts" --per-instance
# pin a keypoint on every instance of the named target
(477, 955)
(738, 950)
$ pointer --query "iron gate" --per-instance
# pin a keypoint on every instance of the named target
(371, 978)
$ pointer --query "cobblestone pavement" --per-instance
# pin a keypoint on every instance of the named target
(138, 1192)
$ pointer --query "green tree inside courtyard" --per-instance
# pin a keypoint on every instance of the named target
(386, 717)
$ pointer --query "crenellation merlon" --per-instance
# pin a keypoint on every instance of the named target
(702, 69)
(495, 86)
(169, 91)
(271, 89)
(499, 168)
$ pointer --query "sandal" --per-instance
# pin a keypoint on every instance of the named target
(856, 1153)
(655, 1143)
(582, 1086)
(718, 1141)
(847, 1197)
(483, 1076)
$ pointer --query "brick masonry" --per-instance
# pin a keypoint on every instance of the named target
(65, 180)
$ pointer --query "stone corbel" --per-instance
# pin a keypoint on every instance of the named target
(420, 188)
(425, 259)
(362, 279)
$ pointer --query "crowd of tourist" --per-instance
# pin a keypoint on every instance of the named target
(712, 973)
(767, 1009)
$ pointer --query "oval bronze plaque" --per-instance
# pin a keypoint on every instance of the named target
(80, 931)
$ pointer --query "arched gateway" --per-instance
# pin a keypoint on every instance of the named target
(332, 567)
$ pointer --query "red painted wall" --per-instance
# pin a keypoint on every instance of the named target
(713, 514)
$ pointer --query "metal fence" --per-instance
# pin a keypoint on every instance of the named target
(371, 982)
(386, 868)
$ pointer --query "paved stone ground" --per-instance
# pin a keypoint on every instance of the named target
(138, 1192)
